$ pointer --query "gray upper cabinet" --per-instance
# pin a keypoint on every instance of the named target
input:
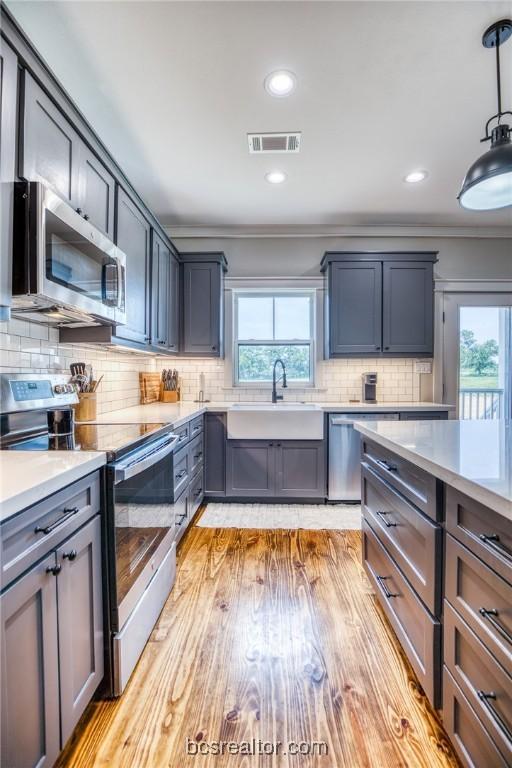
(173, 334)
(203, 316)
(134, 238)
(49, 145)
(408, 307)
(8, 96)
(160, 292)
(96, 192)
(30, 670)
(379, 303)
(80, 622)
(52, 152)
(355, 308)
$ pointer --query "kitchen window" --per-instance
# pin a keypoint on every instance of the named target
(268, 325)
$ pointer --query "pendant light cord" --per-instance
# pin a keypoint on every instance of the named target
(498, 75)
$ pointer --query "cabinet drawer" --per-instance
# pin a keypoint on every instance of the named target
(474, 746)
(196, 426)
(412, 540)
(195, 495)
(181, 470)
(183, 433)
(483, 599)
(196, 452)
(181, 515)
(477, 673)
(423, 489)
(32, 533)
(484, 532)
(418, 633)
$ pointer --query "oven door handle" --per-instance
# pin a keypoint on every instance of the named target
(123, 470)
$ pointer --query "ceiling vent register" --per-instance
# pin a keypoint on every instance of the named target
(274, 143)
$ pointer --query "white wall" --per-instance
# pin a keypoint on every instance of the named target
(292, 256)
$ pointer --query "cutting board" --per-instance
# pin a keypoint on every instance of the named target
(149, 385)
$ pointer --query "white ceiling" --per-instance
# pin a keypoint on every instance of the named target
(383, 88)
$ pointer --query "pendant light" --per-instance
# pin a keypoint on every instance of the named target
(488, 183)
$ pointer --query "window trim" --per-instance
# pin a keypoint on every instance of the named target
(235, 342)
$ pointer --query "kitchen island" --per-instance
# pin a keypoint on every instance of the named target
(437, 548)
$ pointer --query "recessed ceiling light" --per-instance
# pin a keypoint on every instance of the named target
(414, 176)
(275, 177)
(280, 83)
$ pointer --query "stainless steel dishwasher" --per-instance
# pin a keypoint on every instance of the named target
(345, 454)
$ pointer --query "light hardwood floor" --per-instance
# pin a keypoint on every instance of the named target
(272, 635)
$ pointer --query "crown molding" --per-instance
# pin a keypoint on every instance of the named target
(184, 231)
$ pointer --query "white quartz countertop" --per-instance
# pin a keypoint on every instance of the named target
(473, 456)
(27, 477)
(178, 413)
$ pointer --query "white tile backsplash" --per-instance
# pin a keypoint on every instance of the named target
(27, 347)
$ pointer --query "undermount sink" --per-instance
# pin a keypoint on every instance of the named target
(275, 421)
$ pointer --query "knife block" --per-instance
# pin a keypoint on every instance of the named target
(169, 395)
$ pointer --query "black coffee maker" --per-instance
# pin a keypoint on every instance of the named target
(369, 394)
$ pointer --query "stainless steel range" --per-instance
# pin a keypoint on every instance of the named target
(139, 530)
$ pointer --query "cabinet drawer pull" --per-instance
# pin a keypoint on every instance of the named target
(387, 593)
(383, 515)
(50, 528)
(198, 493)
(386, 465)
(71, 555)
(198, 455)
(54, 569)
(181, 474)
(183, 436)
(486, 699)
(493, 542)
(181, 519)
(491, 614)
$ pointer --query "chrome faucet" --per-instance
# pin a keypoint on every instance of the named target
(275, 396)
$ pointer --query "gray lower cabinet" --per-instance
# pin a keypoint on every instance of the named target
(250, 468)
(285, 469)
(51, 624)
(80, 603)
(203, 316)
(215, 454)
(300, 469)
(30, 670)
(8, 95)
(133, 237)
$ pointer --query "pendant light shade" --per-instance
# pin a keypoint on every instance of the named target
(488, 183)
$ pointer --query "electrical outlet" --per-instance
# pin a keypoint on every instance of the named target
(423, 366)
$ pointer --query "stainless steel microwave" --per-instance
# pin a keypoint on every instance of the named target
(65, 271)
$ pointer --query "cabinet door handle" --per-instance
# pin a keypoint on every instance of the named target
(50, 528)
(214, 348)
(198, 493)
(181, 519)
(386, 347)
(387, 593)
(86, 216)
(378, 349)
(493, 542)
(54, 569)
(385, 465)
(198, 455)
(491, 614)
(79, 210)
(486, 699)
(71, 555)
(383, 515)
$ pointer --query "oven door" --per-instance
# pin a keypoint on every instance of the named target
(141, 522)
(75, 265)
